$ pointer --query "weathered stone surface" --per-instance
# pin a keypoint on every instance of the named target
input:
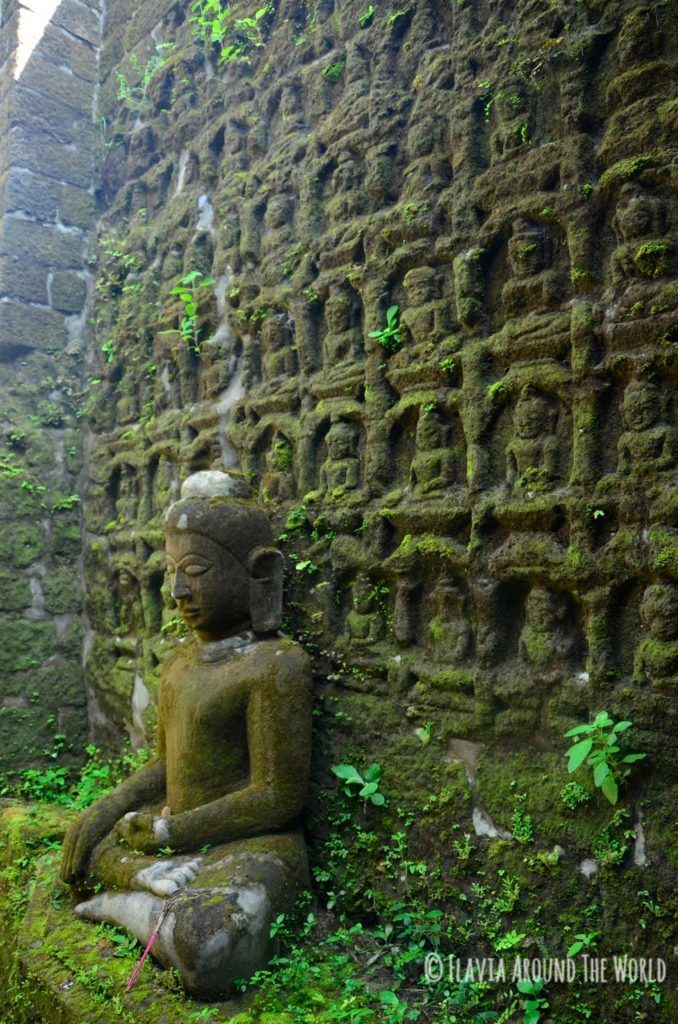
(23, 326)
(62, 49)
(82, 20)
(32, 194)
(67, 292)
(25, 240)
(76, 206)
(38, 153)
(57, 83)
(47, 117)
(24, 279)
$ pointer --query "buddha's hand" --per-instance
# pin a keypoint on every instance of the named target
(83, 835)
(143, 832)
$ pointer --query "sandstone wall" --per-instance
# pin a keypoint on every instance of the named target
(479, 519)
(48, 80)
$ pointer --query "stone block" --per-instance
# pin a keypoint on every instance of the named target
(30, 193)
(80, 20)
(68, 292)
(23, 279)
(24, 327)
(74, 165)
(64, 50)
(26, 240)
(57, 84)
(15, 592)
(42, 115)
(25, 644)
(24, 737)
(76, 207)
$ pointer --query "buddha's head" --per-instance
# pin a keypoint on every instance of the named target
(641, 405)
(543, 610)
(342, 440)
(225, 573)
(527, 249)
(659, 611)
(431, 431)
(532, 416)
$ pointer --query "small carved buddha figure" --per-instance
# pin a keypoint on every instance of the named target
(646, 446)
(544, 642)
(341, 470)
(433, 466)
(130, 619)
(349, 198)
(656, 658)
(532, 454)
(535, 286)
(278, 240)
(127, 500)
(343, 344)
(279, 353)
(365, 622)
(449, 632)
(640, 224)
(227, 786)
(406, 611)
(424, 316)
(277, 480)
(428, 168)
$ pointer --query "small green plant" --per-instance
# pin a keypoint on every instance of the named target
(521, 826)
(463, 847)
(572, 794)
(108, 349)
(390, 336)
(367, 16)
(600, 751)
(175, 627)
(368, 783)
(534, 1003)
(306, 565)
(583, 940)
(188, 291)
(424, 731)
(214, 22)
(587, 190)
(311, 296)
(334, 71)
(135, 95)
(510, 940)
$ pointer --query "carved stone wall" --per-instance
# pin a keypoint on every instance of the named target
(48, 79)
(480, 524)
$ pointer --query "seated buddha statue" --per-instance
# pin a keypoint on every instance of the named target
(205, 838)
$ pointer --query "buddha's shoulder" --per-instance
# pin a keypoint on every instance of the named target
(280, 651)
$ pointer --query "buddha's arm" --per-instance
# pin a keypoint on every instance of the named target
(143, 787)
(279, 741)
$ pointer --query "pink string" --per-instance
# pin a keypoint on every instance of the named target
(149, 947)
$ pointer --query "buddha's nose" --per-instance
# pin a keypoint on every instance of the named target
(180, 587)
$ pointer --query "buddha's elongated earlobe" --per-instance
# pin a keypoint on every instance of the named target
(266, 586)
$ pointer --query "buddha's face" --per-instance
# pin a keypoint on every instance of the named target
(341, 442)
(641, 404)
(530, 418)
(659, 611)
(541, 609)
(209, 584)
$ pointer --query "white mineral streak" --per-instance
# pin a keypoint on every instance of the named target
(484, 826)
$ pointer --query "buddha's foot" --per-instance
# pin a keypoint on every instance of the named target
(211, 936)
(166, 877)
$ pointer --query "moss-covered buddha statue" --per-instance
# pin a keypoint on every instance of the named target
(226, 789)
